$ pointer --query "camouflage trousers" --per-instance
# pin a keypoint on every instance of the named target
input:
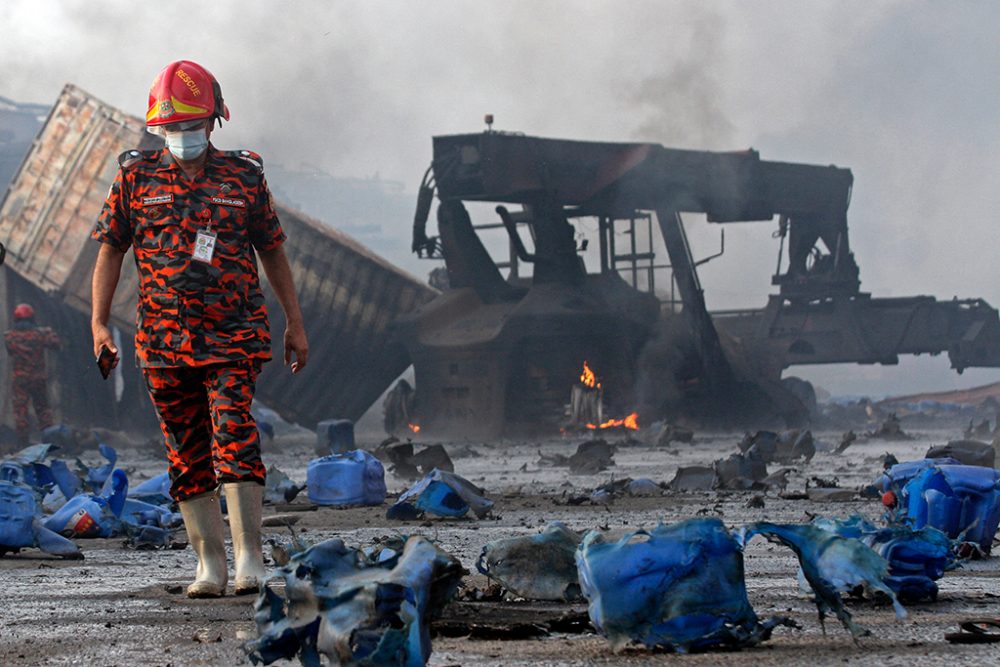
(25, 390)
(211, 436)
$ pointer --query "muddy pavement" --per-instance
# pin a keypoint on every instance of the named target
(123, 607)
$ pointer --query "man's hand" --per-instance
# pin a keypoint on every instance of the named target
(296, 343)
(103, 338)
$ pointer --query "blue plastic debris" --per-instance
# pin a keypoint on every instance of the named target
(677, 586)
(155, 490)
(93, 515)
(443, 494)
(832, 565)
(20, 526)
(354, 478)
(917, 558)
(27, 467)
(961, 501)
(96, 477)
(279, 488)
(536, 567)
(340, 606)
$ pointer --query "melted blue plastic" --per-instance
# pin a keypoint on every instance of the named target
(679, 586)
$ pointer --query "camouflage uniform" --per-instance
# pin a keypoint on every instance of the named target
(26, 345)
(202, 328)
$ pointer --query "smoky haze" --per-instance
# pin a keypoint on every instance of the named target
(902, 92)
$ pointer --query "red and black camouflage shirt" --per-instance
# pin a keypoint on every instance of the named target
(193, 313)
(26, 347)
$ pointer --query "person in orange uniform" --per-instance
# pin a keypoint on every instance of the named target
(26, 345)
(196, 219)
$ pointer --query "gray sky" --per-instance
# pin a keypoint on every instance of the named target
(903, 92)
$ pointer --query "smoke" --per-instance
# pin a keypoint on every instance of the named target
(899, 91)
(683, 106)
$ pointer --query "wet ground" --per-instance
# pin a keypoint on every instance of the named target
(123, 607)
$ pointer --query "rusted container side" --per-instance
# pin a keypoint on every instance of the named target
(349, 295)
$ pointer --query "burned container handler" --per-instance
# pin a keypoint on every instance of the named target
(195, 218)
(26, 344)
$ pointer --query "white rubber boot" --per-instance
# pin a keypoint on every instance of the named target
(244, 502)
(203, 523)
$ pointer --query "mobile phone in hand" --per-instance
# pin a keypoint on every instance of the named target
(106, 362)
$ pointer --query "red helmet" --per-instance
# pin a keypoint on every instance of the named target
(184, 90)
(24, 312)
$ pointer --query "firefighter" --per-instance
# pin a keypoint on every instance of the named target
(196, 219)
(26, 345)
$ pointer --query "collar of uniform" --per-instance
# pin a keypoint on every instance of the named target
(167, 160)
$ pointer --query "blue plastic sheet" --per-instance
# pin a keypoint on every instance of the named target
(677, 586)
(443, 494)
(353, 478)
(961, 501)
(832, 565)
(341, 606)
(155, 490)
(537, 567)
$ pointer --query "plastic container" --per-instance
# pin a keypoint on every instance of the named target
(352, 478)
(334, 436)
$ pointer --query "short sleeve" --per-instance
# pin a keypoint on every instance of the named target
(265, 228)
(114, 226)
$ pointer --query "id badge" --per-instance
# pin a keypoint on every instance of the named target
(204, 247)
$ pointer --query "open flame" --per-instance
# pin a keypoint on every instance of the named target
(588, 378)
(631, 422)
(414, 427)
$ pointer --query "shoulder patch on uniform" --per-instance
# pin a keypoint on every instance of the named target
(251, 157)
(129, 158)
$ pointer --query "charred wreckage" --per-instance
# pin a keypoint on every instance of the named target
(497, 354)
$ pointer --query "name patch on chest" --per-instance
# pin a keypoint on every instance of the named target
(229, 201)
(161, 199)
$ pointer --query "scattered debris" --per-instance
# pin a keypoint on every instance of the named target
(771, 447)
(739, 472)
(976, 631)
(917, 558)
(832, 565)
(21, 528)
(353, 478)
(981, 431)
(677, 586)
(960, 500)
(846, 441)
(443, 494)
(967, 452)
(661, 434)
(93, 514)
(693, 478)
(351, 611)
(403, 462)
(279, 488)
(591, 457)
(642, 487)
(536, 567)
(891, 429)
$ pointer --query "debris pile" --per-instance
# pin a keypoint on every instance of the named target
(355, 608)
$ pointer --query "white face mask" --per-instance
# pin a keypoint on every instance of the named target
(187, 145)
